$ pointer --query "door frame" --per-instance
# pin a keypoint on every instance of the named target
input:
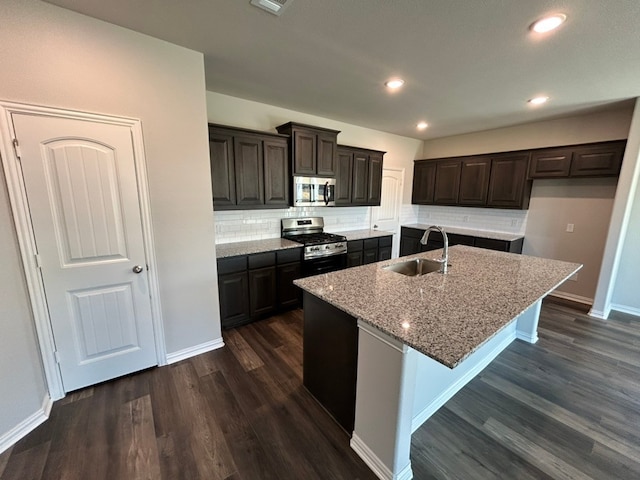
(26, 235)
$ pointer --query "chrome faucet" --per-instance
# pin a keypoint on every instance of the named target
(445, 252)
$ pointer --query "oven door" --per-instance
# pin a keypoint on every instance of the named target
(319, 265)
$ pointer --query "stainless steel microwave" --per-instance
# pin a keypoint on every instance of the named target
(314, 192)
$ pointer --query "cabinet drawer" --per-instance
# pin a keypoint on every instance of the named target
(260, 260)
(354, 246)
(232, 265)
(492, 244)
(289, 255)
(456, 239)
(370, 243)
(385, 241)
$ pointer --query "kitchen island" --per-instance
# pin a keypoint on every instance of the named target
(417, 340)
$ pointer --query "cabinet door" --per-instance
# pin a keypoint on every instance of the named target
(508, 185)
(550, 163)
(233, 289)
(249, 170)
(344, 176)
(288, 294)
(327, 146)
(354, 259)
(262, 291)
(369, 256)
(222, 172)
(374, 187)
(384, 253)
(447, 182)
(424, 179)
(474, 181)
(597, 161)
(276, 173)
(304, 153)
(359, 192)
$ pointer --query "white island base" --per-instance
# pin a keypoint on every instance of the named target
(398, 389)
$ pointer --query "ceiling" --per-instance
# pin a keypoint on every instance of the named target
(468, 65)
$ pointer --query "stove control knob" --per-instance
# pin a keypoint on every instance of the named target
(327, 247)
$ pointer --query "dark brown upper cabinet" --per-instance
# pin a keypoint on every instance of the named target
(223, 183)
(474, 181)
(344, 176)
(550, 163)
(359, 176)
(602, 159)
(508, 184)
(447, 183)
(424, 181)
(313, 149)
(249, 169)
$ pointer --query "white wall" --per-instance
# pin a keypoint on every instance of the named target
(554, 203)
(401, 151)
(54, 57)
(22, 380)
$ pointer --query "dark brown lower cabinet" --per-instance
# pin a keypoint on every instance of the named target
(369, 250)
(289, 296)
(258, 285)
(410, 242)
(262, 291)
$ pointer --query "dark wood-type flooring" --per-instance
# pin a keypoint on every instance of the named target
(565, 408)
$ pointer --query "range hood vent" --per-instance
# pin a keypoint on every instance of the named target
(275, 7)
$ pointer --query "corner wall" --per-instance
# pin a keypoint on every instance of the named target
(53, 57)
(555, 203)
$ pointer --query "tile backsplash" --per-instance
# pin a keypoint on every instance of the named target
(241, 225)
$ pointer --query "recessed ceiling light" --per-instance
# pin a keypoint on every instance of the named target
(538, 100)
(422, 125)
(549, 23)
(394, 83)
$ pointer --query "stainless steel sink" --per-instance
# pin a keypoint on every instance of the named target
(415, 267)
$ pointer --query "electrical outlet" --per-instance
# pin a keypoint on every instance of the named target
(465, 219)
(570, 227)
(514, 222)
(574, 277)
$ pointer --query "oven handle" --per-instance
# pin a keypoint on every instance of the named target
(326, 193)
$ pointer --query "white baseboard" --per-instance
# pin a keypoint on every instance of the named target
(195, 350)
(572, 297)
(27, 425)
(447, 394)
(526, 337)
(375, 464)
(624, 309)
(598, 314)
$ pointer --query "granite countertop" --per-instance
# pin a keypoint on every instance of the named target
(365, 233)
(446, 317)
(509, 237)
(253, 246)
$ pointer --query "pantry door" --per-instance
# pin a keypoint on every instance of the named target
(82, 192)
(387, 215)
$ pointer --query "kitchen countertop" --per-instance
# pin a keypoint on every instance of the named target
(446, 317)
(224, 250)
(362, 234)
(509, 237)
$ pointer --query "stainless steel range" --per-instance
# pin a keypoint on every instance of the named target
(323, 252)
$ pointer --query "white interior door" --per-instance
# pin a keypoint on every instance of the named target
(387, 215)
(81, 186)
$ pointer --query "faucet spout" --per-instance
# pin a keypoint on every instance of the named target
(445, 251)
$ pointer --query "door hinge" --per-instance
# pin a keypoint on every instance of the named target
(16, 147)
(57, 356)
(38, 260)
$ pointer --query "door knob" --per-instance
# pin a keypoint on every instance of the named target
(137, 269)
